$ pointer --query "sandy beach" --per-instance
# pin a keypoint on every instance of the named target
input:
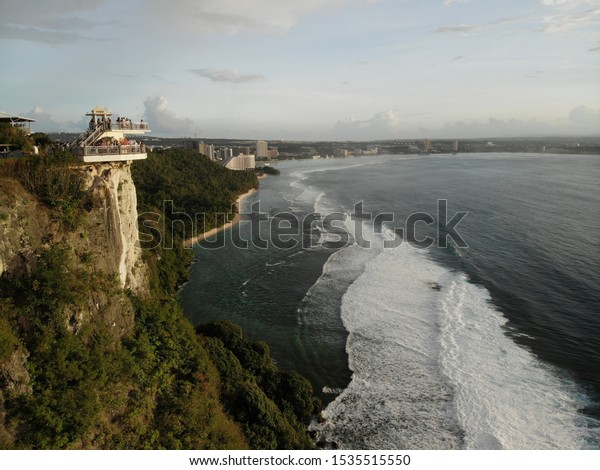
(191, 241)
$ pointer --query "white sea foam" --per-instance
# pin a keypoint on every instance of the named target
(398, 397)
(434, 369)
(504, 396)
(432, 365)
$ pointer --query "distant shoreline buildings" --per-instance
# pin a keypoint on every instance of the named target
(234, 158)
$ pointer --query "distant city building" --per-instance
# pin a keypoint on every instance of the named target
(426, 145)
(262, 149)
(241, 150)
(341, 152)
(273, 153)
(209, 151)
(455, 146)
(195, 145)
(241, 162)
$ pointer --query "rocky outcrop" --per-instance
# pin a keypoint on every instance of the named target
(108, 237)
(114, 230)
(14, 377)
(25, 227)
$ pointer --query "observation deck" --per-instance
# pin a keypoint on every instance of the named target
(110, 141)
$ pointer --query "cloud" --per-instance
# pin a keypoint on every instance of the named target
(564, 22)
(585, 119)
(461, 28)
(567, 4)
(465, 28)
(56, 22)
(450, 2)
(46, 123)
(226, 75)
(494, 127)
(232, 16)
(164, 121)
(384, 125)
(44, 120)
(39, 35)
(581, 121)
(392, 125)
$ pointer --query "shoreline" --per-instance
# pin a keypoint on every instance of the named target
(190, 242)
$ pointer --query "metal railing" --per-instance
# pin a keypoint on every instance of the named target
(89, 136)
(130, 125)
(113, 149)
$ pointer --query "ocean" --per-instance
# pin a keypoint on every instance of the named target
(485, 337)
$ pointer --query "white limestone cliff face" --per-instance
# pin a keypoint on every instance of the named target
(105, 242)
(113, 186)
(108, 234)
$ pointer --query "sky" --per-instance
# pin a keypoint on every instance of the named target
(306, 69)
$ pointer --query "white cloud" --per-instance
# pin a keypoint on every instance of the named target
(494, 127)
(164, 121)
(465, 28)
(450, 2)
(585, 120)
(384, 125)
(232, 16)
(581, 121)
(390, 125)
(46, 123)
(568, 4)
(563, 22)
(461, 28)
(56, 22)
(226, 75)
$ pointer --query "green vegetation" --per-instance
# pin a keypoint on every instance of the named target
(16, 138)
(267, 170)
(9, 342)
(202, 192)
(272, 406)
(153, 389)
(107, 369)
(51, 178)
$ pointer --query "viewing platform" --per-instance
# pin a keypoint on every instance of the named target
(110, 141)
(20, 122)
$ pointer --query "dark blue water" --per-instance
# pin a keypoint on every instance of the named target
(496, 345)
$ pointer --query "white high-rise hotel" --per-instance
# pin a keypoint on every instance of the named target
(262, 149)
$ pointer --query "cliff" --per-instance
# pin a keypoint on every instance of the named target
(110, 234)
(115, 230)
(103, 247)
(95, 352)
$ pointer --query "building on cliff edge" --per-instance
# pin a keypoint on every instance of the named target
(108, 140)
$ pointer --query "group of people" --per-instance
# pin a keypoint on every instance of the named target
(107, 142)
(123, 123)
(104, 121)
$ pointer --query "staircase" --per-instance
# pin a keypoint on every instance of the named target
(89, 137)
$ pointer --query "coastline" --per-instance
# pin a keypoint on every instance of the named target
(197, 239)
